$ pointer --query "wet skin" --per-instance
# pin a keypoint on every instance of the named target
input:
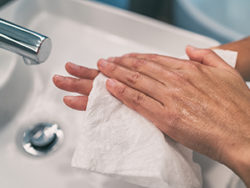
(202, 103)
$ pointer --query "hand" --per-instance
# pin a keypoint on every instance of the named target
(243, 60)
(81, 85)
(202, 103)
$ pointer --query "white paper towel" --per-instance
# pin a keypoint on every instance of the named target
(228, 56)
(119, 142)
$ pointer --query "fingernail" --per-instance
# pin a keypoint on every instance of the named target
(192, 47)
(67, 98)
(71, 64)
(58, 77)
(103, 63)
(111, 83)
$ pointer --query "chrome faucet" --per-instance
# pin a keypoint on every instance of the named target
(34, 47)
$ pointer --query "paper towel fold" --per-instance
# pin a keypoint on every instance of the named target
(119, 142)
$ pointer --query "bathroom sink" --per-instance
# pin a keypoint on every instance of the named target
(81, 32)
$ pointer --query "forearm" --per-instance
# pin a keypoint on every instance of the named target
(243, 61)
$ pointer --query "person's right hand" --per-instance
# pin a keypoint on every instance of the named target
(207, 101)
(82, 85)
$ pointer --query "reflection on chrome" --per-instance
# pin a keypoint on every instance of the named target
(34, 47)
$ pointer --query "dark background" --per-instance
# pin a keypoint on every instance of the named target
(158, 9)
(2, 2)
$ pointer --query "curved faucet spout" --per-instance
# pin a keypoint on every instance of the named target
(34, 47)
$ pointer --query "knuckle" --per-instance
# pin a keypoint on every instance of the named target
(73, 82)
(86, 72)
(177, 76)
(116, 60)
(173, 120)
(134, 77)
(138, 63)
(138, 99)
(121, 90)
(77, 85)
(112, 67)
(208, 53)
(194, 66)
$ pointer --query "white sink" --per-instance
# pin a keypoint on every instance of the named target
(82, 32)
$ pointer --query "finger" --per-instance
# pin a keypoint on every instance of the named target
(133, 79)
(146, 67)
(144, 105)
(82, 86)
(76, 102)
(167, 76)
(80, 71)
(166, 61)
(206, 57)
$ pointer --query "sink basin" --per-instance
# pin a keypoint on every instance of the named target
(6, 67)
(81, 32)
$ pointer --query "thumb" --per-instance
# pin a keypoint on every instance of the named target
(206, 57)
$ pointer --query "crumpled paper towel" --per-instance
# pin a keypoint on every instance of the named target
(119, 142)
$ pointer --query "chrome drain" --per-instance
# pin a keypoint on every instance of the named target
(42, 139)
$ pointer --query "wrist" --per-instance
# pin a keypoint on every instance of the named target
(236, 154)
(241, 166)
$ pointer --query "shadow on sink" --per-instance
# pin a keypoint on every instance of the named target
(14, 93)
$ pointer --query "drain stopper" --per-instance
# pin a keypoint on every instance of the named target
(42, 138)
